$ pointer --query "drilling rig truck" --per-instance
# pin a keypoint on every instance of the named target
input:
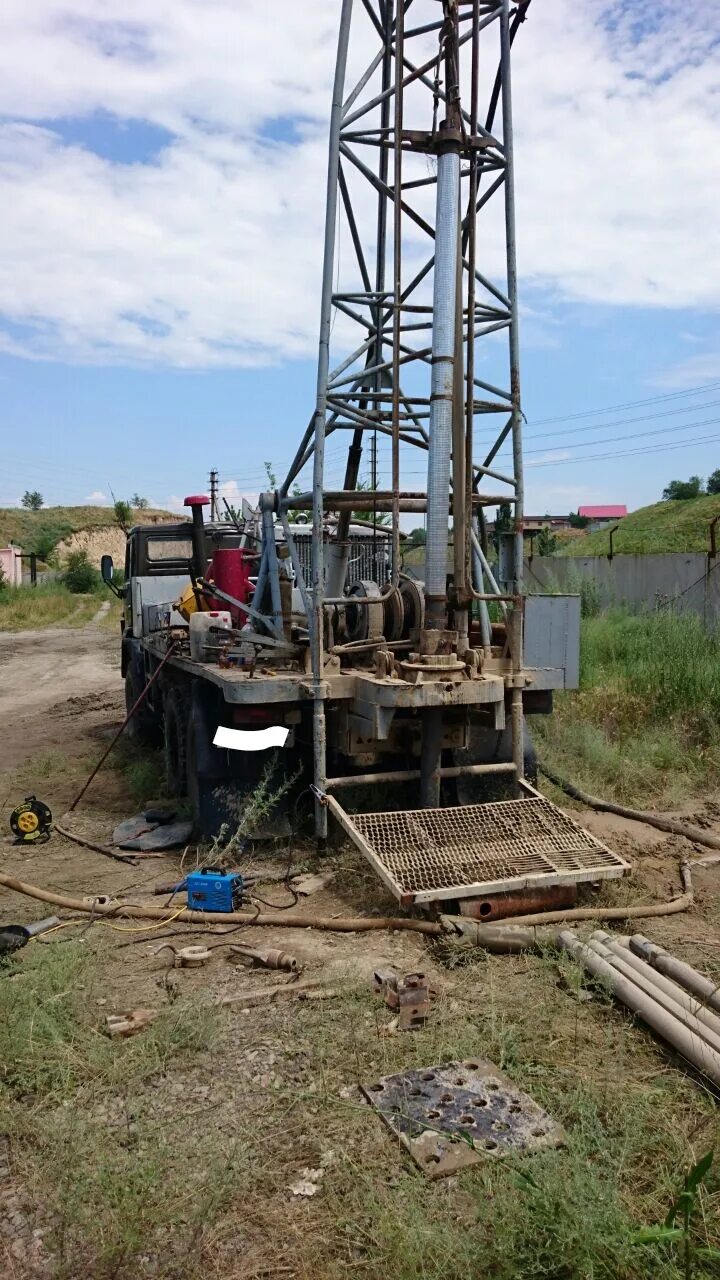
(405, 700)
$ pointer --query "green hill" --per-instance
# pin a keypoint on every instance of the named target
(663, 527)
(41, 531)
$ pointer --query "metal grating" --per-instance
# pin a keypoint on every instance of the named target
(368, 556)
(424, 854)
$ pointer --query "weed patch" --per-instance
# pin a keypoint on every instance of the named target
(29, 608)
(51, 1040)
(644, 724)
(143, 771)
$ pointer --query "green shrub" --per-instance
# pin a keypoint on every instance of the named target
(589, 598)
(80, 576)
(45, 538)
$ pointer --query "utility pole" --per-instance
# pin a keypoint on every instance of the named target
(214, 514)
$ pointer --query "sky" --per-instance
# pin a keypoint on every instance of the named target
(162, 184)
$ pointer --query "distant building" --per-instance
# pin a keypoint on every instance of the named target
(11, 565)
(531, 524)
(612, 512)
(601, 516)
(598, 518)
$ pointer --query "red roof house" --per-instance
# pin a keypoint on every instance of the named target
(610, 512)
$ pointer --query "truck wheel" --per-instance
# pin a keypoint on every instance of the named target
(177, 718)
(207, 815)
(143, 728)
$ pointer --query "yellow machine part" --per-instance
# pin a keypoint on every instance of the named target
(187, 603)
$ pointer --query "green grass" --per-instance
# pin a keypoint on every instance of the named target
(645, 723)
(137, 1178)
(565, 1215)
(660, 528)
(27, 608)
(51, 1041)
(114, 1176)
(143, 771)
(22, 527)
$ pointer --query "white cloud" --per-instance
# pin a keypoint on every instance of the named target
(554, 455)
(172, 503)
(694, 371)
(231, 490)
(210, 255)
(97, 497)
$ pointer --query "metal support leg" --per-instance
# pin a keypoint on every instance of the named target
(430, 758)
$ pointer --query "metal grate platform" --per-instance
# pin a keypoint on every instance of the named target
(423, 855)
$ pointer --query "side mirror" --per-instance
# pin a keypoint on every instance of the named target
(106, 569)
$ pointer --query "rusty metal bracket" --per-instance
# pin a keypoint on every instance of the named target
(408, 997)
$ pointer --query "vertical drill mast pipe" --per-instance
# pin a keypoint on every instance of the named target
(397, 290)
(517, 729)
(441, 386)
(318, 567)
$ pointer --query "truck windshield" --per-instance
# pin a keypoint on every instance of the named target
(168, 549)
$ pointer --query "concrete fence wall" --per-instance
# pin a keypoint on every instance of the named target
(688, 583)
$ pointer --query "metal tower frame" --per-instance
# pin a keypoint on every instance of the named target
(411, 375)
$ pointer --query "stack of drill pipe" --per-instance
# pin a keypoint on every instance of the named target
(682, 973)
(685, 1023)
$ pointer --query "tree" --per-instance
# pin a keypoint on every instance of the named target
(503, 519)
(577, 521)
(80, 576)
(140, 504)
(680, 490)
(417, 538)
(713, 482)
(503, 523)
(547, 542)
(123, 513)
(32, 500)
(372, 517)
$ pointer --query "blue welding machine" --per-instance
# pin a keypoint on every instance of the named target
(210, 890)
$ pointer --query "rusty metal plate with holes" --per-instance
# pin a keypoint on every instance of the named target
(423, 855)
(457, 1114)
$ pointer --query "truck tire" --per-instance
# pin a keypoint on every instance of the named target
(176, 720)
(143, 728)
(201, 786)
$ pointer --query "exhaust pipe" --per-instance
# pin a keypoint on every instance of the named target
(196, 502)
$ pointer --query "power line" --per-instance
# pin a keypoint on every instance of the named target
(638, 435)
(626, 422)
(624, 453)
(629, 404)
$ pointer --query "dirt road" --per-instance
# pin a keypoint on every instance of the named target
(47, 676)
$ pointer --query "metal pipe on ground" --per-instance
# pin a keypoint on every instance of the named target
(620, 948)
(676, 1004)
(634, 912)
(480, 935)
(692, 1047)
(683, 973)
